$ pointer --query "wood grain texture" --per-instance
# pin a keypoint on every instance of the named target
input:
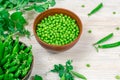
(105, 64)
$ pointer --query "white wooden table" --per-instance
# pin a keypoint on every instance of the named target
(105, 64)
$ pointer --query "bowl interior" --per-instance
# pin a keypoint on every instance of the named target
(51, 12)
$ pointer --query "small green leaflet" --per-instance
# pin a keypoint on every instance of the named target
(37, 77)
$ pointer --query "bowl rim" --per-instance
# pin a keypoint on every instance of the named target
(77, 38)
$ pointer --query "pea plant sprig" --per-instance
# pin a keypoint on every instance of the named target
(14, 23)
(66, 71)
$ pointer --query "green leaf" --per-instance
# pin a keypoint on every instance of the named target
(37, 77)
(39, 8)
(16, 15)
(52, 3)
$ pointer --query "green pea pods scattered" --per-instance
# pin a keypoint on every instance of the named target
(1, 50)
(17, 74)
(2, 77)
(28, 49)
(99, 6)
(111, 45)
(78, 75)
(104, 39)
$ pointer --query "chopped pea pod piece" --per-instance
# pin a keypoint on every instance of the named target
(99, 6)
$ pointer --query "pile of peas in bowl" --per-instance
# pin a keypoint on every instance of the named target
(58, 29)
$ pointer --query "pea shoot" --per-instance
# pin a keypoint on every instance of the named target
(58, 29)
(66, 71)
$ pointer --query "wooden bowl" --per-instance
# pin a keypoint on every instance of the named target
(53, 11)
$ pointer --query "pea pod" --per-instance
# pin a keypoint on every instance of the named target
(104, 39)
(1, 50)
(17, 74)
(111, 45)
(28, 49)
(78, 75)
(96, 9)
(12, 69)
(6, 77)
(16, 49)
(2, 77)
(6, 51)
(1, 71)
(4, 60)
(16, 46)
(6, 42)
(22, 46)
(30, 58)
(15, 62)
(25, 71)
(6, 65)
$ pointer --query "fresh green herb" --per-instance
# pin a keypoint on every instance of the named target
(11, 24)
(114, 12)
(66, 71)
(37, 5)
(89, 31)
(87, 65)
(99, 6)
(111, 45)
(104, 39)
(14, 23)
(82, 6)
(37, 77)
(117, 28)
